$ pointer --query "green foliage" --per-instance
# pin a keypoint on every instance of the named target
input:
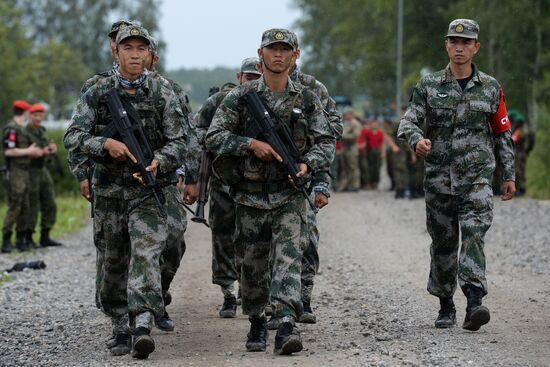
(538, 164)
(197, 82)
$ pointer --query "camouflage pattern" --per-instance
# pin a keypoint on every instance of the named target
(401, 174)
(15, 136)
(350, 174)
(310, 256)
(274, 237)
(445, 222)
(458, 171)
(251, 65)
(463, 28)
(274, 218)
(133, 30)
(276, 35)
(457, 124)
(41, 193)
(128, 228)
(226, 253)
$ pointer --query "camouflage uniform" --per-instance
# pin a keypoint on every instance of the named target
(271, 215)
(16, 136)
(42, 194)
(458, 172)
(128, 227)
(350, 177)
(226, 253)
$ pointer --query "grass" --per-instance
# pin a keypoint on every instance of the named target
(4, 278)
(72, 212)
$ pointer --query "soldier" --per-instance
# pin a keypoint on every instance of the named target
(129, 228)
(350, 178)
(375, 151)
(41, 193)
(465, 117)
(320, 189)
(226, 253)
(271, 213)
(18, 151)
(523, 143)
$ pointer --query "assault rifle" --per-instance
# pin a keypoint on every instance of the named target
(278, 136)
(127, 124)
(204, 176)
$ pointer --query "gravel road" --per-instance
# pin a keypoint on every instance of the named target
(370, 298)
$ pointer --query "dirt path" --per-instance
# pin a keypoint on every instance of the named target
(370, 299)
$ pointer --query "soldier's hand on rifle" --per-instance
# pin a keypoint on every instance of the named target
(153, 168)
(320, 200)
(264, 151)
(85, 189)
(118, 150)
(302, 173)
(508, 190)
(423, 147)
(190, 194)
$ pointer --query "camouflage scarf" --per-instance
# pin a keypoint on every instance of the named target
(126, 83)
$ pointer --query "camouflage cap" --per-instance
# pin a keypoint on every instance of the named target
(463, 28)
(133, 31)
(251, 65)
(294, 39)
(120, 24)
(276, 35)
(153, 45)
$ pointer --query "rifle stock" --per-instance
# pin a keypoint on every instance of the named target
(204, 177)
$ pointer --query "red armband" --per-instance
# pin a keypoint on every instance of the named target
(499, 120)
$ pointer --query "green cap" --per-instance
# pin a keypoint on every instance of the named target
(463, 28)
(516, 116)
(120, 24)
(251, 65)
(133, 31)
(276, 35)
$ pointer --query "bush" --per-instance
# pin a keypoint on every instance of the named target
(538, 164)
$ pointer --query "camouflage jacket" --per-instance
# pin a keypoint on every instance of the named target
(457, 123)
(16, 136)
(38, 135)
(162, 117)
(310, 131)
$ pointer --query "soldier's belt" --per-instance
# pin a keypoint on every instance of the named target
(268, 187)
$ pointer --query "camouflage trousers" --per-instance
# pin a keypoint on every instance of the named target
(276, 236)
(400, 170)
(18, 201)
(131, 237)
(310, 257)
(41, 199)
(363, 167)
(226, 252)
(469, 215)
(350, 172)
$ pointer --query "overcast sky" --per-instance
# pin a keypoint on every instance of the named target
(210, 33)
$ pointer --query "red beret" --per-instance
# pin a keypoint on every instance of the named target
(22, 105)
(37, 108)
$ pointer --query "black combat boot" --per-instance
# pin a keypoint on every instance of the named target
(257, 336)
(6, 244)
(21, 241)
(307, 317)
(167, 298)
(400, 194)
(143, 343)
(229, 308)
(476, 314)
(288, 339)
(46, 241)
(164, 322)
(30, 240)
(447, 314)
(120, 344)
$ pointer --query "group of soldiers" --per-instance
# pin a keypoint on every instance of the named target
(28, 183)
(271, 139)
(264, 237)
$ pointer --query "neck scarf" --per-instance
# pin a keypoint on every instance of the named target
(128, 84)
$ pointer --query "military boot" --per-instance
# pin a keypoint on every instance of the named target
(21, 241)
(143, 344)
(307, 317)
(6, 244)
(476, 314)
(273, 323)
(229, 308)
(447, 314)
(46, 241)
(164, 322)
(30, 240)
(120, 344)
(257, 336)
(167, 298)
(287, 339)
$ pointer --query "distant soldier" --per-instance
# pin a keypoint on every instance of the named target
(18, 151)
(226, 252)
(465, 118)
(375, 151)
(270, 211)
(350, 174)
(42, 194)
(129, 228)
(523, 142)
